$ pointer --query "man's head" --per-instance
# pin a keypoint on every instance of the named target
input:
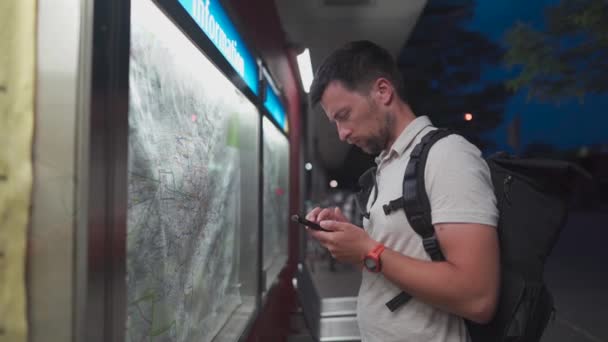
(358, 85)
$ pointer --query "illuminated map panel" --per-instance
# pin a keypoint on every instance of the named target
(185, 185)
(276, 198)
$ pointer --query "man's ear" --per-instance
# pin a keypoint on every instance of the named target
(383, 91)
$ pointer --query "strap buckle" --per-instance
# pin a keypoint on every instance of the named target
(399, 300)
(394, 205)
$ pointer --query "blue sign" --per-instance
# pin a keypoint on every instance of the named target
(274, 106)
(213, 20)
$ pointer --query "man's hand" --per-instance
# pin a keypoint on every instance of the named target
(320, 214)
(345, 241)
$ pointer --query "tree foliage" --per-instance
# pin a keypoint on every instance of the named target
(568, 58)
(442, 64)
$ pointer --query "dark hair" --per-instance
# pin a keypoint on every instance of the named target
(356, 65)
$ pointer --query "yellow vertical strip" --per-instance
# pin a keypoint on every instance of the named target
(17, 84)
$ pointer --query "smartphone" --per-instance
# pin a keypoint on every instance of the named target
(310, 224)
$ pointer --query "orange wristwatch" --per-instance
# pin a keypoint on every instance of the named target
(372, 260)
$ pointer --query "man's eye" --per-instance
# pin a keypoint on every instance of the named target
(342, 116)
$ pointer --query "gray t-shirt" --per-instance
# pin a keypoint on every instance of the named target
(459, 188)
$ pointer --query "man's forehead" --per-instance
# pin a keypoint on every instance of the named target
(325, 110)
(335, 96)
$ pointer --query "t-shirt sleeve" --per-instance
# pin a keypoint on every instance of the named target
(458, 183)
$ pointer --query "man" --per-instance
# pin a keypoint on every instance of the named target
(360, 90)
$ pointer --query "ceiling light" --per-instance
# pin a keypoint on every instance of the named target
(305, 67)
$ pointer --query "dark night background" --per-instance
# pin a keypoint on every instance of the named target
(455, 62)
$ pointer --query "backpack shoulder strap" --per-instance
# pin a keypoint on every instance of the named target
(415, 199)
(415, 203)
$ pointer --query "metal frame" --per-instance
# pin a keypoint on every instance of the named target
(80, 245)
(105, 308)
(260, 254)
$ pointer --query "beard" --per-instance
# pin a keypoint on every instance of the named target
(378, 141)
(373, 145)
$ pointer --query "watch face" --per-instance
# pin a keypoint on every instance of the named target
(370, 263)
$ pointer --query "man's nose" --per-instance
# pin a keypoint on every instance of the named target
(344, 132)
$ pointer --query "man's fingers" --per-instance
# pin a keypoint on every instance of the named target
(338, 213)
(333, 226)
(323, 237)
(325, 214)
(322, 214)
(313, 214)
(332, 251)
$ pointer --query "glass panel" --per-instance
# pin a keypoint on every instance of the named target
(276, 199)
(191, 135)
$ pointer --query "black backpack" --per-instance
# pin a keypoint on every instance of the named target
(532, 197)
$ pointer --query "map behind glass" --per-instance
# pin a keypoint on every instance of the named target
(276, 197)
(184, 186)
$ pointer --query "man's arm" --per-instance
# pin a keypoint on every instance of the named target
(466, 284)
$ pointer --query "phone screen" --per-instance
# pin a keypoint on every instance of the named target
(303, 221)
